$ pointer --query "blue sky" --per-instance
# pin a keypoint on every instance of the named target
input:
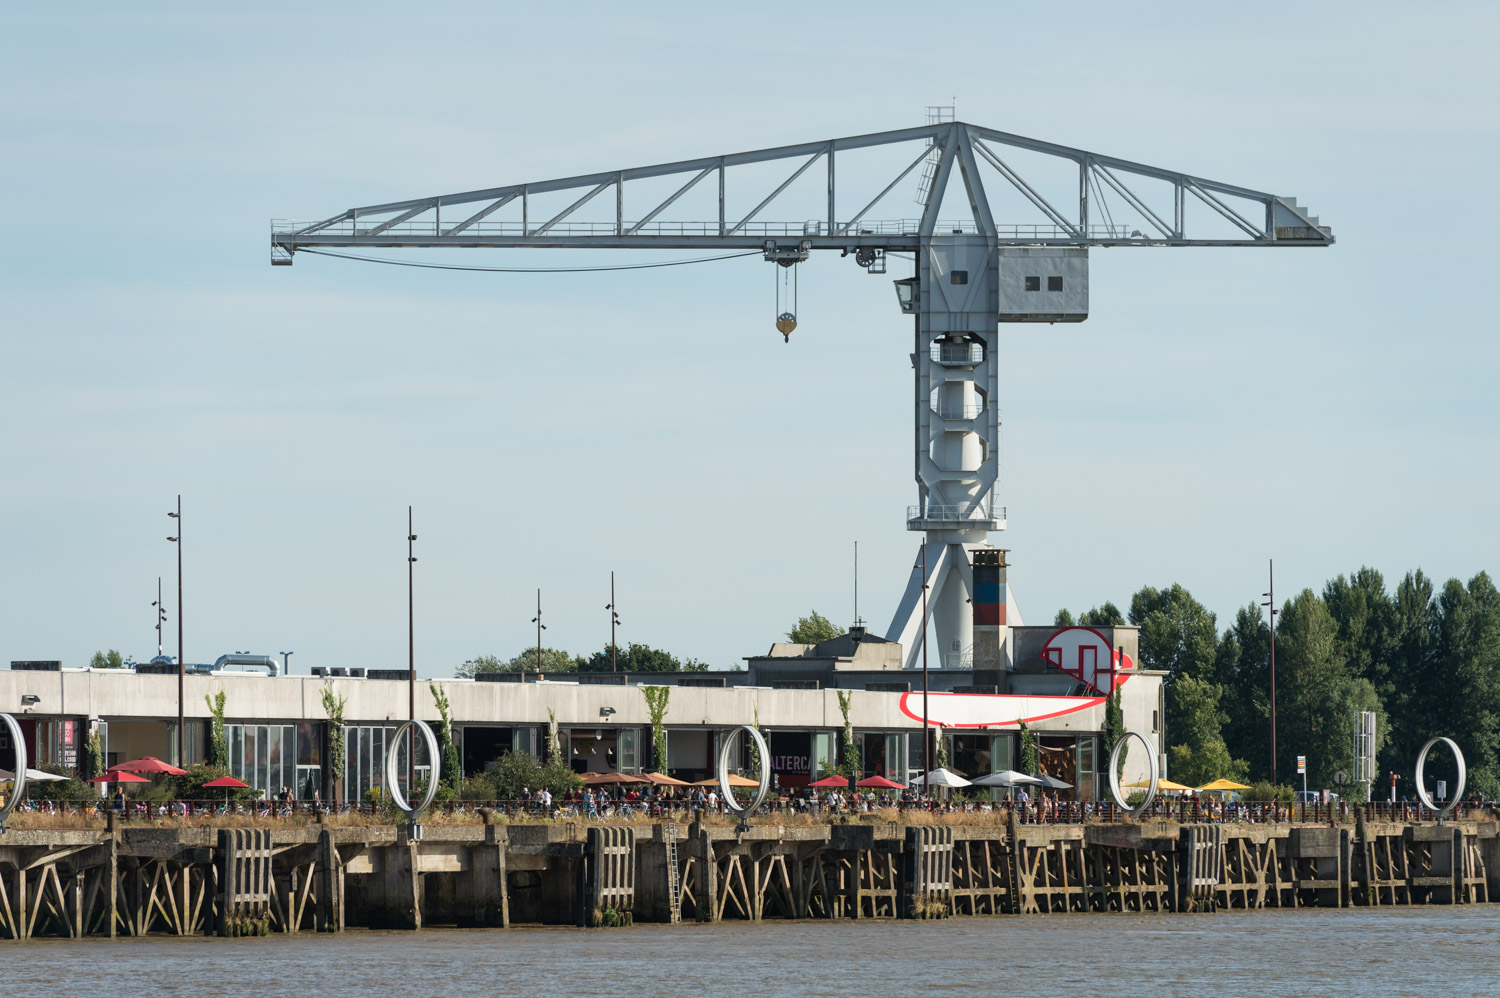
(1326, 408)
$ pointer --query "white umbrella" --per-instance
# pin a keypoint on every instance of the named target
(941, 778)
(1053, 783)
(1009, 778)
(32, 776)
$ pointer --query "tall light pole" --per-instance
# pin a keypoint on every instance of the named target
(181, 730)
(614, 621)
(411, 656)
(540, 627)
(161, 615)
(1271, 603)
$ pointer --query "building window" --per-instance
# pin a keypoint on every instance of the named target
(1054, 284)
(1033, 284)
(959, 277)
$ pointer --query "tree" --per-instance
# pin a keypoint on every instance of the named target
(849, 761)
(106, 660)
(1194, 729)
(218, 743)
(657, 698)
(333, 709)
(1177, 633)
(553, 660)
(1242, 663)
(813, 629)
(478, 664)
(1028, 749)
(452, 769)
(1064, 618)
(1312, 682)
(639, 658)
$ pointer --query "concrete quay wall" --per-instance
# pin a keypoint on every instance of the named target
(324, 877)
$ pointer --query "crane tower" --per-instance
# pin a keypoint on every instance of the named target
(971, 274)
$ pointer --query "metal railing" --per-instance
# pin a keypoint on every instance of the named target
(435, 226)
(935, 513)
(968, 410)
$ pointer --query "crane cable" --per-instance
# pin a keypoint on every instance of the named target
(528, 270)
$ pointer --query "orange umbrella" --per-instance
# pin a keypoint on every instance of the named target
(734, 781)
(663, 780)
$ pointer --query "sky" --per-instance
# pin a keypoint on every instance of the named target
(1220, 408)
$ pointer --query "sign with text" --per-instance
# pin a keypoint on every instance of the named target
(790, 753)
(1302, 765)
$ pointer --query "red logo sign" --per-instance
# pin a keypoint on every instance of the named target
(1085, 654)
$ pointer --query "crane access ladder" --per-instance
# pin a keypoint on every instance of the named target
(674, 879)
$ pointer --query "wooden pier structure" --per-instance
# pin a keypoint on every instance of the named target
(137, 880)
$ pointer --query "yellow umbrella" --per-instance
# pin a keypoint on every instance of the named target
(1160, 785)
(1223, 785)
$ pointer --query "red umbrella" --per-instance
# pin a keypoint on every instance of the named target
(831, 781)
(114, 776)
(150, 764)
(880, 783)
(226, 782)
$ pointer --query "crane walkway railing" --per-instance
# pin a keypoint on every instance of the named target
(437, 227)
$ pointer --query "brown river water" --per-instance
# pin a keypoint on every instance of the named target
(1364, 952)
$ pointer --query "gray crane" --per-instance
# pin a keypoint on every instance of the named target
(971, 274)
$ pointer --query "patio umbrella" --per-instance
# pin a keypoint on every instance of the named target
(880, 783)
(599, 779)
(1215, 785)
(663, 780)
(1008, 778)
(1052, 782)
(114, 776)
(831, 782)
(227, 782)
(734, 781)
(1161, 784)
(941, 778)
(149, 764)
(32, 776)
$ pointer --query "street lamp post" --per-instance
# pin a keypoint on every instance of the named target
(411, 656)
(614, 621)
(161, 615)
(540, 627)
(181, 730)
(1271, 603)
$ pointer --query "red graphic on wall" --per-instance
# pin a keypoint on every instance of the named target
(1086, 654)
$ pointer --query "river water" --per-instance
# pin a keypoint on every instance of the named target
(1362, 951)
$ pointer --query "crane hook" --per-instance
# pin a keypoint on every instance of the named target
(785, 323)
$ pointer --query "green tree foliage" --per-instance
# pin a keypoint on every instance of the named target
(1107, 615)
(1194, 728)
(1177, 633)
(218, 742)
(93, 755)
(451, 771)
(640, 658)
(516, 772)
(553, 660)
(1114, 727)
(849, 761)
(1029, 760)
(106, 660)
(813, 629)
(333, 709)
(191, 786)
(657, 698)
(481, 663)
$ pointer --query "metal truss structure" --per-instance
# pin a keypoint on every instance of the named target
(972, 272)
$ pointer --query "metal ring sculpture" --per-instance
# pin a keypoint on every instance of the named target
(391, 775)
(726, 742)
(1114, 773)
(18, 789)
(1463, 775)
